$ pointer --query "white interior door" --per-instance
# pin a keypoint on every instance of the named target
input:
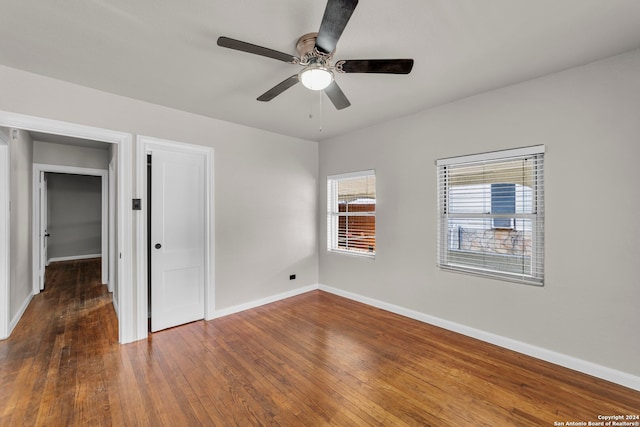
(177, 238)
(44, 220)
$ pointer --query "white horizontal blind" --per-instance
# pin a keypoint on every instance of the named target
(351, 213)
(491, 214)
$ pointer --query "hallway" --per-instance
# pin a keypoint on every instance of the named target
(68, 333)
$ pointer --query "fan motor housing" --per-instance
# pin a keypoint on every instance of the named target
(306, 44)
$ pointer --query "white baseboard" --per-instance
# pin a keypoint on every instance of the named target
(115, 306)
(593, 369)
(19, 314)
(257, 303)
(73, 258)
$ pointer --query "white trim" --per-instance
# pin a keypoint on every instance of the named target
(44, 167)
(348, 175)
(73, 258)
(5, 230)
(492, 155)
(104, 224)
(39, 168)
(144, 145)
(20, 312)
(112, 227)
(262, 301)
(125, 242)
(590, 368)
(41, 124)
(126, 283)
(115, 306)
(357, 254)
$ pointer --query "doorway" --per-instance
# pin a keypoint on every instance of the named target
(42, 232)
(127, 330)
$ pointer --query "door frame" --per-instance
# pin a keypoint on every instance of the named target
(126, 285)
(5, 230)
(112, 227)
(42, 210)
(146, 145)
(40, 168)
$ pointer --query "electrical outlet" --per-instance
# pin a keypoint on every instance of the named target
(292, 276)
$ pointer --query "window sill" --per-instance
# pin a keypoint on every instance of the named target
(355, 254)
(489, 274)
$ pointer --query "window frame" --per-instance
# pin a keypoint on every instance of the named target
(490, 268)
(333, 213)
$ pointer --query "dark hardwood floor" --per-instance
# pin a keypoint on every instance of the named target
(315, 359)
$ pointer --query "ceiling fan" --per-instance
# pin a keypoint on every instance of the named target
(316, 56)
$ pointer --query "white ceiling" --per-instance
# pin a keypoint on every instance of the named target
(165, 51)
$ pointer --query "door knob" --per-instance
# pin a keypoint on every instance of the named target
(158, 245)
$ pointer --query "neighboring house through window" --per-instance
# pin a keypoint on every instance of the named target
(503, 201)
(351, 213)
(491, 214)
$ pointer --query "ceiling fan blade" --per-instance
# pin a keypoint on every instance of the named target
(386, 66)
(278, 89)
(336, 15)
(255, 49)
(336, 96)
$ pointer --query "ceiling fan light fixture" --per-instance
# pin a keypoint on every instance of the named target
(316, 52)
(315, 77)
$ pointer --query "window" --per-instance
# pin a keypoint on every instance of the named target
(351, 213)
(491, 214)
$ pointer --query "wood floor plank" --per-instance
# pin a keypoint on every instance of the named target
(308, 356)
(312, 360)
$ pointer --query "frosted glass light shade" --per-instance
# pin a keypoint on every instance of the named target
(315, 78)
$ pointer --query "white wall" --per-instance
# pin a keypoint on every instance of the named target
(74, 215)
(265, 184)
(588, 118)
(68, 155)
(20, 280)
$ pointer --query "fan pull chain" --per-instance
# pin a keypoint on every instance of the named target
(320, 103)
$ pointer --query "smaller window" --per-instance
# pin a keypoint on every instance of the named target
(351, 213)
